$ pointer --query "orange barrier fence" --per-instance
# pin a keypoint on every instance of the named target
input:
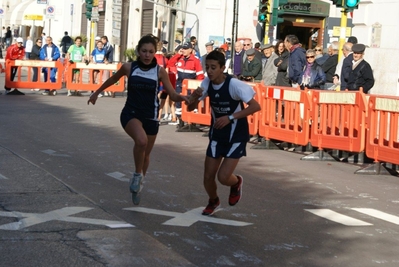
(338, 120)
(81, 84)
(203, 113)
(25, 70)
(382, 133)
(285, 114)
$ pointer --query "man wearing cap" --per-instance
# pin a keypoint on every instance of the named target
(188, 66)
(252, 68)
(164, 47)
(209, 48)
(226, 45)
(269, 70)
(361, 76)
(14, 52)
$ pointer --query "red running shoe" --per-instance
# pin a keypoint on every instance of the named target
(236, 191)
(213, 206)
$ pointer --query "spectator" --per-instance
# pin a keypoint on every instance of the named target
(297, 59)
(66, 42)
(238, 56)
(14, 52)
(177, 43)
(258, 46)
(28, 47)
(3, 37)
(76, 53)
(164, 47)
(8, 37)
(281, 62)
(229, 132)
(35, 55)
(140, 113)
(196, 51)
(352, 39)
(49, 52)
(98, 57)
(227, 48)
(269, 70)
(344, 66)
(361, 76)
(209, 48)
(163, 95)
(331, 63)
(252, 69)
(188, 67)
(320, 56)
(313, 75)
(109, 56)
(248, 45)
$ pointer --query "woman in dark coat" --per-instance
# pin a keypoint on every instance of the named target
(282, 64)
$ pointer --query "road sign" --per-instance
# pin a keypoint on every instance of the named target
(33, 17)
(50, 12)
(337, 31)
(1, 13)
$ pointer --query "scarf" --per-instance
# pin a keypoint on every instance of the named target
(308, 69)
(294, 47)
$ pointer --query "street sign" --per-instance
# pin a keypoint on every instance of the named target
(33, 17)
(95, 16)
(1, 13)
(50, 12)
(337, 31)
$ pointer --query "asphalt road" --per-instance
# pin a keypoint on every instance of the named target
(64, 198)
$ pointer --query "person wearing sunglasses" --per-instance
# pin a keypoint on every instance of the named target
(313, 75)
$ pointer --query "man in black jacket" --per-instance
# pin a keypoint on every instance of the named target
(66, 42)
(331, 63)
(35, 55)
(361, 77)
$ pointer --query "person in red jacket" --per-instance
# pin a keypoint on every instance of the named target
(14, 52)
(188, 66)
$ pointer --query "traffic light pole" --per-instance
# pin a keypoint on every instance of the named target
(342, 37)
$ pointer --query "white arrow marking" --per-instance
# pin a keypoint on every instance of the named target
(3, 177)
(118, 176)
(188, 218)
(60, 215)
(380, 215)
(337, 217)
(53, 153)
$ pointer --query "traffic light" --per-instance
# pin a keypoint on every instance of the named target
(338, 3)
(278, 11)
(89, 7)
(262, 13)
(350, 5)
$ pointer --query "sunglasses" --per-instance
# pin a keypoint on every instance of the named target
(317, 50)
(247, 44)
(310, 57)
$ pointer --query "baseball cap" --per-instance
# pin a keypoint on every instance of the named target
(98, 38)
(164, 42)
(228, 40)
(20, 40)
(210, 43)
(177, 41)
(187, 45)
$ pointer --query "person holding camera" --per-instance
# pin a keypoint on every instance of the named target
(76, 53)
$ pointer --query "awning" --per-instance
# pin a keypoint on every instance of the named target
(28, 13)
(17, 13)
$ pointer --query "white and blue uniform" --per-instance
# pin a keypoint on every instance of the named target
(142, 98)
(225, 99)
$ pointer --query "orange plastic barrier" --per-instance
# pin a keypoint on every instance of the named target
(203, 114)
(85, 72)
(285, 114)
(24, 74)
(339, 120)
(382, 133)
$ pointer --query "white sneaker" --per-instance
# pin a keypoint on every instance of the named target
(69, 93)
(178, 111)
(174, 122)
(195, 110)
(169, 117)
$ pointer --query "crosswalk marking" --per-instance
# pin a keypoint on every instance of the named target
(337, 217)
(379, 214)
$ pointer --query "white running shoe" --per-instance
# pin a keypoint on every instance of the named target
(136, 183)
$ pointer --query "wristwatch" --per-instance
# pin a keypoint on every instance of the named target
(231, 118)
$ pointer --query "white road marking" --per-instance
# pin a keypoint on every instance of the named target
(3, 177)
(188, 218)
(337, 217)
(53, 153)
(60, 215)
(379, 214)
(118, 176)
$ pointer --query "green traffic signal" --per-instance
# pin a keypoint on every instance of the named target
(89, 8)
(350, 5)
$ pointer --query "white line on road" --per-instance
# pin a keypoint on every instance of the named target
(379, 214)
(188, 218)
(118, 176)
(337, 217)
(53, 153)
(3, 177)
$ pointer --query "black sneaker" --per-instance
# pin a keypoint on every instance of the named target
(213, 206)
